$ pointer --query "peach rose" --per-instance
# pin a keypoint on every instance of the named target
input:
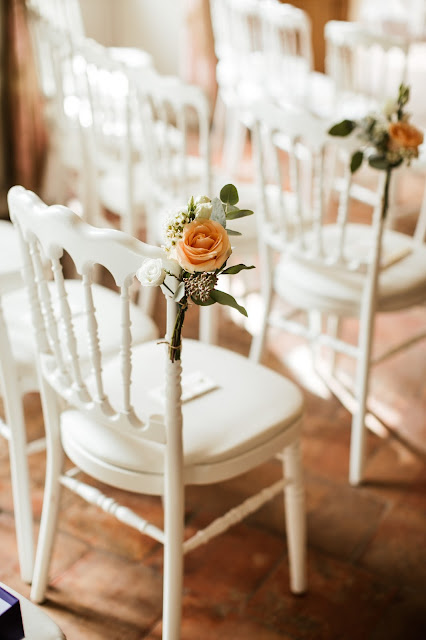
(405, 135)
(204, 246)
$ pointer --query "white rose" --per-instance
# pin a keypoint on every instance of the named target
(201, 199)
(389, 108)
(151, 272)
(204, 210)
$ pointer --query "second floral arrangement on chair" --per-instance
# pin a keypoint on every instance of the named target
(197, 239)
(387, 139)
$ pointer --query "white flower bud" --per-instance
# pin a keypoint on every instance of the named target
(204, 210)
(201, 200)
(151, 272)
(389, 108)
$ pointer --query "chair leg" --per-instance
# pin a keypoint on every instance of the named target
(295, 517)
(358, 430)
(258, 340)
(173, 503)
(334, 324)
(52, 492)
(315, 327)
(20, 480)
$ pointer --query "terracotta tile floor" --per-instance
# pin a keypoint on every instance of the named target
(367, 546)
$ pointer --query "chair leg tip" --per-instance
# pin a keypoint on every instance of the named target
(299, 591)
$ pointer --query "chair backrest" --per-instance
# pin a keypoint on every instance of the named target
(265, 42)
(48, 232)
(246, 24)
(295, 215)
(366, 67)
(53, 46)
(62, 14)
(287, 42)
(150, 122)
(402, 17)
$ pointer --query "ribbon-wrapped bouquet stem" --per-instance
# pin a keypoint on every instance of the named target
(198, 240)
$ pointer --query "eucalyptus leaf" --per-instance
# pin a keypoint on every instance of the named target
(200, 303)
(343, 128)
(231, 232)
(236, 268)
(356, 161)
(229, 194)
(379, 162)
(180, 292)
(238, 213)
(224, 298)
(218, 213)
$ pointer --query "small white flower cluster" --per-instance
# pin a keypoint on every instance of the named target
(199, 207)
(374, 129)
(173, 229)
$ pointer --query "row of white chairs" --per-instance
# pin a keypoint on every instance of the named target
(317, 272)
(264, 48)
(106, 122)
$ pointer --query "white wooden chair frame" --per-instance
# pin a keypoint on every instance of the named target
(53, 230)
(303, 128)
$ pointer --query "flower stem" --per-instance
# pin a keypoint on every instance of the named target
(385, 199)
(176, 340)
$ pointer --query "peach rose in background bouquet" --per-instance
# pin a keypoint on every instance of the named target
(197, 239)
(387, 138)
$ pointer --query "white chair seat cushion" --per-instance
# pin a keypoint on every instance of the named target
(308, 284)
(251, 405)
(18, 320)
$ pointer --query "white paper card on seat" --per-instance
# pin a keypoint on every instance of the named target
(194, 385)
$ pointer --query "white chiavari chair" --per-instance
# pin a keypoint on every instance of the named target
(57, 28)
(18, 373)
(117, 430)
(320, 260)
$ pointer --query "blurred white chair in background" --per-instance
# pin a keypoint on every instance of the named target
(56, 27)
(366, 67)
(322, 261)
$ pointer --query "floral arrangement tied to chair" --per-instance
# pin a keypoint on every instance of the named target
(388, 139)
(197, 239)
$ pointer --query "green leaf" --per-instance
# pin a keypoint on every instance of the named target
(343, 128)
(378, 162)
(218, 213)
(231, 232)
(200, 303)
(403, 95)
(238, 213)
(236, 269)
(356, 161)
(224, 298)
(229, 194)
